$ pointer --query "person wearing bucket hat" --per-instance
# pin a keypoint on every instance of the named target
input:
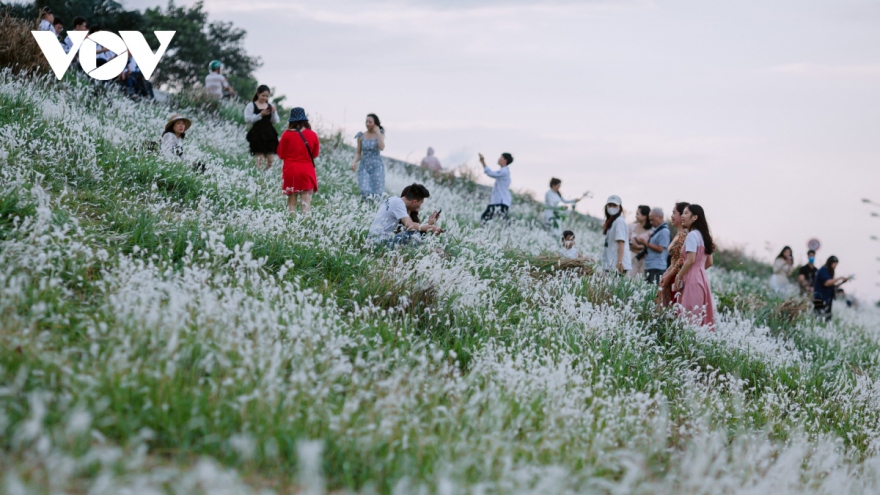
(216, 84)
(171, 145)
(615, 258)
(297, 150)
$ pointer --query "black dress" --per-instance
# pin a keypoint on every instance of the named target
(263, 138)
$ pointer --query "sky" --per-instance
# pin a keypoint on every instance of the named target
(765, 113)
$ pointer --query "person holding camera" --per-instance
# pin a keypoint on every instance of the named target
(825, 287)
(262, 136)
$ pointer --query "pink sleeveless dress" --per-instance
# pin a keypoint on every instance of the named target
(695, 299)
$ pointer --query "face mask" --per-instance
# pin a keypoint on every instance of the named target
(613, 210)
(812, 260)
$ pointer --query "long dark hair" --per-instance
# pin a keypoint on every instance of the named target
(702, 226)
(377, 121)
(299, 125)
(609, 219)
(646, 212)
(261, 89)
(782, 253)
(679, 207)
(831, 260)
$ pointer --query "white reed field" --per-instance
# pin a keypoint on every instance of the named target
(167, 331)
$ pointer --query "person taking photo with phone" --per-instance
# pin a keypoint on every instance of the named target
(262, 136)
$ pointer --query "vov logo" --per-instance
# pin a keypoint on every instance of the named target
(130, 41)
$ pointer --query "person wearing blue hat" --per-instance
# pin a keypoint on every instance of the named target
(297, 150)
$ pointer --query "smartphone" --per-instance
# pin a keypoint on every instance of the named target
(439, 211)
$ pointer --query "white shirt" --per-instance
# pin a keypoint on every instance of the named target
(553, 198)
(171, 146)
(390, 213)
(617, 232)
(108, 55)
(501, 189)
(68, 44)
(250, 117)
(45, 26)
(215, 83)
(570, 253)
(693, 241)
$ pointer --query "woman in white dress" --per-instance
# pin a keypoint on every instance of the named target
(782, 266)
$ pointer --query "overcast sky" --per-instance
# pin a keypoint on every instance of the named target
(766, 113)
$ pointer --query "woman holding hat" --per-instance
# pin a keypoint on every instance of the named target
(616, 257)
(262, 136)
(297, 150)
(171, 145)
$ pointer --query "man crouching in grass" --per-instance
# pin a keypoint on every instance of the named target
(397, 221)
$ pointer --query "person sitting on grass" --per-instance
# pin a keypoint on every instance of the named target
(568, 250)
(171, 145)
(397, 219)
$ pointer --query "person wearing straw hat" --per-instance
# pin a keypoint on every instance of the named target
(615, 258)
(297, 150)
(171, 145)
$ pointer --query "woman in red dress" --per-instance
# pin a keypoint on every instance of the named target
(298, 148)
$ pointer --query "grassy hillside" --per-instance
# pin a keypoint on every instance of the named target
(163, 331)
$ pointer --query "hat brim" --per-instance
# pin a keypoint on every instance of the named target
(170, 124)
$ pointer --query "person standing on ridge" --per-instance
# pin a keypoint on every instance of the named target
(500, 200)
(262, 136)
(297, 150)
(430, 162)
(615, 258)
(216, 84)
(554, 207)
(696, 293)
(371, 169)
(807, 273)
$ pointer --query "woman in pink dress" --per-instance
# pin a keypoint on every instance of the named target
(695, 298)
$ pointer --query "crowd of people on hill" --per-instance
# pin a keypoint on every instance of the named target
(648, 249)
(131, 80)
